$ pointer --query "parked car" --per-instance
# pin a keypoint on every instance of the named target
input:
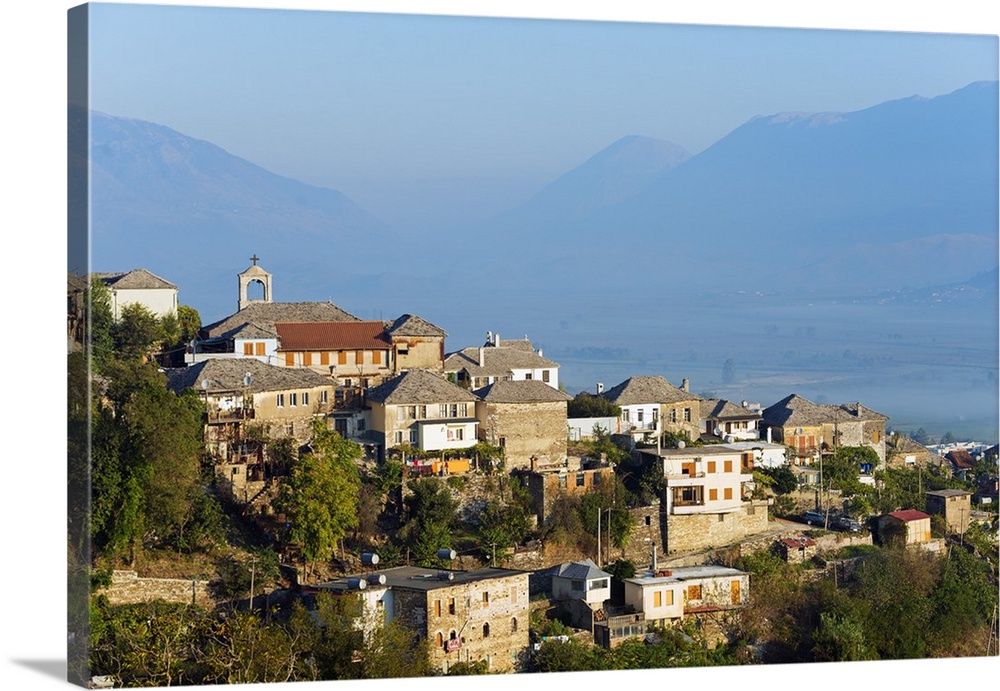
(845, 523)
(814, 518)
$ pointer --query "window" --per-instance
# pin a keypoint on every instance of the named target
(341, 357)
(414, 436)
(625, 415)
(528, 376)
(687, 415)
(657, 599)
(502, 442)
(711, 466)
(293, 400)
(324, 358)
(562, 482)
(669, 597)
(580, 479)
(289, 359)
(596, 480)
(486, 598)
(727, 493)
(486, 630)
(728, 466)
(439, 639)
(307, 359)
(258, 348)
(443, 410)
(463, 409)
(305, 398)
(437, 608)
(713, 494)
(639, 415)
(451, 605)
(281, 400)
(411, 411)
(399, 436)
(248, 348)
(545, 376)
(453, 410)
(376, 357)
(513, 625)
(421, 411)
(694, 592)
(673, 415)
(324, 396)
(649, 520)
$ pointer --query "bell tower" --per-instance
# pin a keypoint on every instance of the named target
(254, 274)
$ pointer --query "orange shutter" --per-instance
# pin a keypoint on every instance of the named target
(248, 348)
(341, 358)
(289, 359)
(258, 348)
(324, 358)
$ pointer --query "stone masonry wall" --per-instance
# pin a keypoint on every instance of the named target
(535, 429)
(704, 531)
(128, 588)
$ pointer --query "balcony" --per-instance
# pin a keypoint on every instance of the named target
(233, 415)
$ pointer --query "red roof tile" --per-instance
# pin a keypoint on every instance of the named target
(347, 335)
(909, 515)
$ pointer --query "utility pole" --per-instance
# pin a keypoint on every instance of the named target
(253, 572)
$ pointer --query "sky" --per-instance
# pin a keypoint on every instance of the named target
(446, 118)
(33, 50)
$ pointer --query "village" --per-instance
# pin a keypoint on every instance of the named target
(642, 502)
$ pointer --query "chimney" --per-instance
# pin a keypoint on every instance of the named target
(768, 435)
(482, 359)
(685, 384)
(540, 352)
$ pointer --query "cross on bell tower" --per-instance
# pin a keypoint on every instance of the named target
(254, 274)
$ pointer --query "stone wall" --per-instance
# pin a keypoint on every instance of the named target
(705, 531)
(528, 429)
(128, 588)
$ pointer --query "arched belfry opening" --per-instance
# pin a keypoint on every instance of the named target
(257, 280)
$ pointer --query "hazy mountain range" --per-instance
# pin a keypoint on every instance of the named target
(900, 196)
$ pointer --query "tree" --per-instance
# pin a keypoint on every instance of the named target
(843, 470)
(189, 321)
(587, 405)
(320, 496)
(783, 479)
(137, 331)
(430, 510)
(102, 344)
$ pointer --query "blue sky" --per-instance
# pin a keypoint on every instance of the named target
(446, 117)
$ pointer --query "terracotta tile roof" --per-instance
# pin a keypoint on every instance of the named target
(907, 515)
(335, 335)
(796, 542)
(961, 458)
(526, 391)
(639, 390)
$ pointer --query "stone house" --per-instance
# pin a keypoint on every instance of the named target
(720, 420)
(424, 410)
(706, 496)
(497, 360)
(241, 394)
(467, 616)
(906, 527)
(954, 504)
(416, 344)
(526, 418)
(797, 550)
(547, 482)
(581, 580)
(651, 405)
(355, 354)
(140, 286)
(903, 452)
(811, 429)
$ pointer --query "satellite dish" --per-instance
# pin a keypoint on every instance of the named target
(205, 383)
(246, 379)
(680, 444)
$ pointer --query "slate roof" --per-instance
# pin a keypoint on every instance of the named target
(75, 282)
(257, 319)
(794, 410)
(418, 386)
(226, 374)
(522, 344)
(585, 570)
(526, 391)
(949, 493)
(136, 279)
(718, 409)
(337, 335)
(497, 361)
(645, 389)
(903, 443)
(412, 325)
